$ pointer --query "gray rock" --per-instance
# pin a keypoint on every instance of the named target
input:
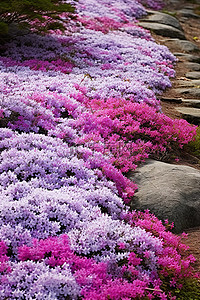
(192, 66)
(173, 2)
(164, 30)
(194, 92)
(188, 83)
(191, 102)
(187, 13)
(188, 57)
(193, 75)
(162, 18)
(177, 45)
(170, 192)
(190, 114)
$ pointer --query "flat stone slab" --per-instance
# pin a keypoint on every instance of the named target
(164, 30)
(193, 75)
(190, 114)
(194, 92)
(188, 57)
(187, 13)
(162, 18)
(192, 66)
(188, 83)
(169, 191)
(177, 45)
(191, 102)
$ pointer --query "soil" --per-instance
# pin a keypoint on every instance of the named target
(191, 27)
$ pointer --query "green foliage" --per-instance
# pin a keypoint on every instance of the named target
(24, 11)
(190, 290)
(194, 146)
(3, 28)
(197, 10)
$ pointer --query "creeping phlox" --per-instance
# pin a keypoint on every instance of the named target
(77, 111)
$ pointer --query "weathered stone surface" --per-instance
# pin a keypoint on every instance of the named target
(170, 192)
(188, 83)
(194, 92)
(187, 13)
(177, 45)
(190, 114)
(188, 57)
(192, 66)
(193, 75)
(164, 30)
(162, 18)
(191, 102)
(173, 2)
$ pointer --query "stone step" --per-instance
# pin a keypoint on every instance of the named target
(191, 102)
(171, 100)
(164, 30)
(188, 83)
(190, 114)
(186, 102)
(187, 13)
(162, 18)
(187, 57)
(192, 66)
(194, 92)
(176, 45)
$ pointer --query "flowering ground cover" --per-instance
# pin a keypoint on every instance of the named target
(78, 111)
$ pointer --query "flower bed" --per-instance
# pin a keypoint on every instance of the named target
(77, 112)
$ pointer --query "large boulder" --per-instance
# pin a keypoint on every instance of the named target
(170, 192)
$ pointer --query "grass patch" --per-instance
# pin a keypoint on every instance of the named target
(194, 146)
(173, 14)
(190, 290)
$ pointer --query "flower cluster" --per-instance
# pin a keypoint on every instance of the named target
(77, 111)
(130, 131)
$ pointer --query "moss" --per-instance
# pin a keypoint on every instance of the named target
(197, 10)
(173, 14)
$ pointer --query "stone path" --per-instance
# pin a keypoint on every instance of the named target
(181, 35)
(171, 31)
